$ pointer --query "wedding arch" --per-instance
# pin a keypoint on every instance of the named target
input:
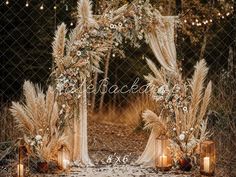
(79, 55)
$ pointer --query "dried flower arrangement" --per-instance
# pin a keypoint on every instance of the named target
(38, 118)
(184, 105)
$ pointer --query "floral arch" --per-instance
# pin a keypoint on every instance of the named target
(77, 57)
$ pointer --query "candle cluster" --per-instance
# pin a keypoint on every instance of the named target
(163, 156)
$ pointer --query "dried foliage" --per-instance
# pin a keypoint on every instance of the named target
(38, 118)
(184, 104)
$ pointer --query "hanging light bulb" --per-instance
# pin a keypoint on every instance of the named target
(71, 23)
(27, 4)
(227, 14)
(41, 7)
(193, 23)
(7, 2)
(67, 8)
(185, 21)
(211, 20)
(55, 7)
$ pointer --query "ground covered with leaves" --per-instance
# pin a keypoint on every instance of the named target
(114, 148)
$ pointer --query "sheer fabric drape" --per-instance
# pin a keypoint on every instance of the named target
(162, 42)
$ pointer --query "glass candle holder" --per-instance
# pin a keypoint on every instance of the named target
(207, 158)
(63, 158)
(163, 158)
(20, 169)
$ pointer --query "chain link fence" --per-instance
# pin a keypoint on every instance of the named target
(26, 33)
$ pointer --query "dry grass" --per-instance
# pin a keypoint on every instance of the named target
(223, 122)
(7, 124)
(129, 115)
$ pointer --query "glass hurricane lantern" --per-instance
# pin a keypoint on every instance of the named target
(163, 158)
(207, 158)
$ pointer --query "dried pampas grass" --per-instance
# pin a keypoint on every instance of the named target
(85, 14)
(38, 119)
(184, 104)
(157, 123)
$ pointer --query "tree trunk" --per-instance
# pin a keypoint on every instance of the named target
(104, 86)
(234, 40)
(178, 5)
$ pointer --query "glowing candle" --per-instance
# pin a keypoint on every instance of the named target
(206, 164)
(20, 170)
(65, 163)
(163, 160)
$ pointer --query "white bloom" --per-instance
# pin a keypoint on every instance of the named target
(162, 90)
(140, 37)
(174, 129)
(78, 53)
(112, 26)
(185, 109)
(120, 24)
(181, 137)
(38, 137)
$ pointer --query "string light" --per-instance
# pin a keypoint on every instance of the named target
(41, 7)
(67, 8)
(7, 2)
(197, 22)
(27, 4)
(71, 24)
(55, 7)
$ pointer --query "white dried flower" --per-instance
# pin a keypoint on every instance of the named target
(78, 53)
(174, 129)
(162, 90)
(112, 26)
(38, 137)
(140, 37)
(191, 129)
(32, 143)
(181, 137)
(120, 24)
(185, 109)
